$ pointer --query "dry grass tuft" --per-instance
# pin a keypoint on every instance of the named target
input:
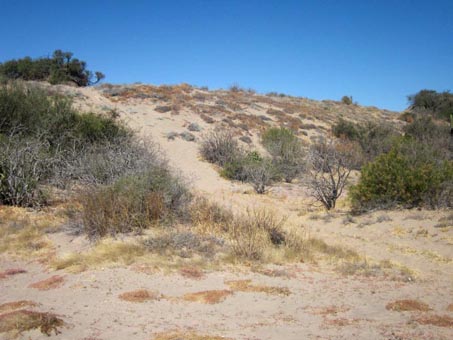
(435, 320)
(140, 295)
(450, 307)
(247, 286)
(24, 320)
(11, 272)
(407, 306)
(329, 310)
(10, 306)
(52, 282)
(208, 296)
(186, 336)
(104, 253)
(191, 272)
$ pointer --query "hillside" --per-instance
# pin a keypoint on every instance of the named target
(382, 274)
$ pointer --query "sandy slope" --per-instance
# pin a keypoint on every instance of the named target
(322, 304)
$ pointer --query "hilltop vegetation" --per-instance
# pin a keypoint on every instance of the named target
(61, 68)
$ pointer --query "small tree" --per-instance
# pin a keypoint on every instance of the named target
(260, 174)
(329, 167)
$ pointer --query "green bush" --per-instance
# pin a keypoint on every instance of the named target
(428, 101)
(60, 68)
(346, 100)
(407, 175)
(286, 151)
(373, 138)
(134, 203)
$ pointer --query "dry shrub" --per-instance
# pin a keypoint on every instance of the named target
(251, 232)
(450, 307)
(134, 203)
(189, 335)
(329, 310)
(208, 296)
(407, 306)
(11, 272)
(140, 295)
(11, 306)
(24, 320)
(191, 273)
(209, 217)
(220, 147)
(52, 282)
(184, 244)
(247, 286)
(435, 320)
(104, 253)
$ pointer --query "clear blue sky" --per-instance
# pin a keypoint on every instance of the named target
(377, 51)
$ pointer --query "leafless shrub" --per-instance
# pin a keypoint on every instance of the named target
(260, 174)
(330, 165)
(104, 163)
(24, 163)
(251, 231)
(220, 148)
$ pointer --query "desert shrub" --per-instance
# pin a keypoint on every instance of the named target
(286, 151)
(220, 148)
(252, 231)
(260, 173)
(346, 100)
(23, 165)
(426, 130)
(134, 203)
(60, 68)
(373, 138)
(346, 129)
(408, 175)
(185, 244)
(439, 104)
(329, 166)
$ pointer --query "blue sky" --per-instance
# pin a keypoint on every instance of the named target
(377, 51)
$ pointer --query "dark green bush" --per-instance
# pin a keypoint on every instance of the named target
(373, 138)
(346, 100)
(408, 175)
(60, 68)
(428, 101)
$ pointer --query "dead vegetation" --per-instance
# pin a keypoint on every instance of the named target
(140, 295)
(15, 305)
(20, 321)
(186, 335)
(407, 306)
(435, 320)
(52, 282)
(247, 286)
(208, 296)
(11, 272)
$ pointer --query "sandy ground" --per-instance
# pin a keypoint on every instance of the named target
(319, 303)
